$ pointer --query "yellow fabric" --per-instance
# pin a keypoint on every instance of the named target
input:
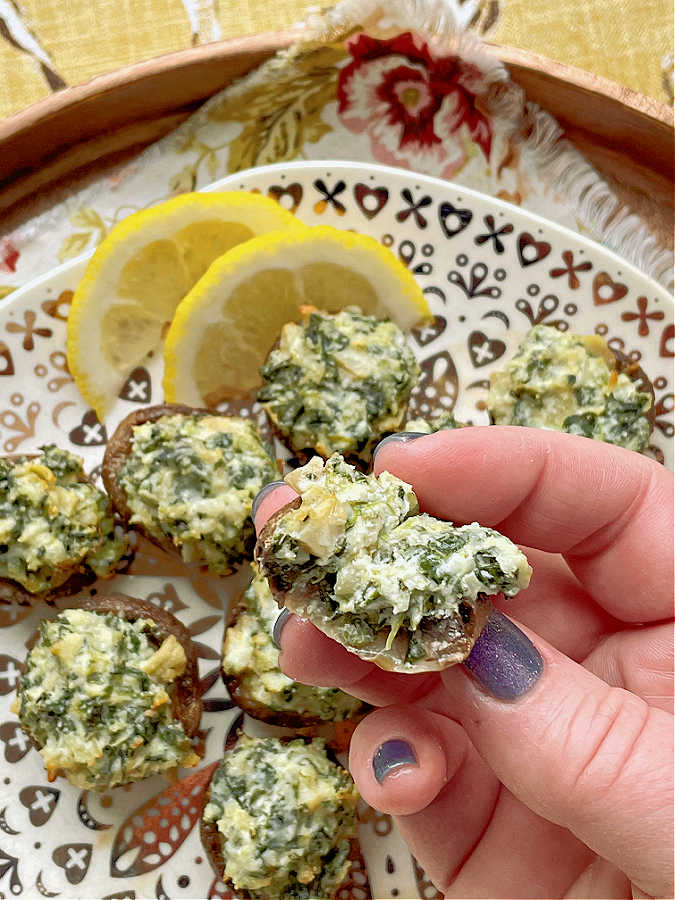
(629, 41)
(624, 40)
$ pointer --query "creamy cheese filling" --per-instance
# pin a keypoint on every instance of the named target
(53, 523)
(250, 654)
(336, 383)
(285, 813)
(365, 561)
(568, 382)
(192, 479)
(96, 696)
(439, 422)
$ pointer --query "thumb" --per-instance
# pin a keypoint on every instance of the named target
(593, 758)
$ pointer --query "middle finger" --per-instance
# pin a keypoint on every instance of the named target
(309, 656)
(555, 606)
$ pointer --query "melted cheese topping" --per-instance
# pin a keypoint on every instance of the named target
(286, 814)
(53, 523)
(568, 382)
(337, 383)
(364, 561)
(193, 479)
(443, 421)
(96, 696)
(250, 654)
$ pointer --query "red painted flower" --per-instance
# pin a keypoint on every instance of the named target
(9, 256)
(413, 105)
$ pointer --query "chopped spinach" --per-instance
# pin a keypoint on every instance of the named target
(293, 848)
(54, 522)
(87, 701)
(338, 382)
(192, 479)
(565, 382)
(386, 567)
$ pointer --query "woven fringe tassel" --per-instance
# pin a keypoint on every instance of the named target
(539, 138)
(580, 186)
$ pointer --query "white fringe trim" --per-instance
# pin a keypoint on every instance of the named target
(536, 134)
(586, 193)
(436, 20)
(580, 186)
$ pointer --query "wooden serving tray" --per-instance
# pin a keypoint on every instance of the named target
(627, 136)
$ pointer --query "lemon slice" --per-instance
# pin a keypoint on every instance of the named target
(139, 274)
(224, 328)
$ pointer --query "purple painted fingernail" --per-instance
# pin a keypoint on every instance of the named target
(262, 493)
(282, 618)
(391, 755)
(504, 660)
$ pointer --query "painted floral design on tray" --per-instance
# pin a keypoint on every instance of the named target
(418, 110)
(397, 99)
(489, 273)
(279, 116)
(392, 100)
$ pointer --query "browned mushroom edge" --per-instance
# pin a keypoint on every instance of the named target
(13, 592)
(266, 533)
(211, 841)
(186, 700)
(627, 366)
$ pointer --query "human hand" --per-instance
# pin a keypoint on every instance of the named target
(543, 766)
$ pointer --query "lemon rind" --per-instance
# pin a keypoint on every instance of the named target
(130, 234)
(319, 244)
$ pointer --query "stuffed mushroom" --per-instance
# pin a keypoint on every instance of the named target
(280, 820)
(336, 383)
(57, 529)
(187, 478)
(407, 591)
(253, 677)
(110, 693)
(573, 383)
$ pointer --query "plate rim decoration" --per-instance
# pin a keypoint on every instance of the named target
(469, 252)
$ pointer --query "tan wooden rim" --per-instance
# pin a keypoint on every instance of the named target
(120, 112)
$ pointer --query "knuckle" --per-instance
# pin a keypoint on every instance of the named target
(600, 741)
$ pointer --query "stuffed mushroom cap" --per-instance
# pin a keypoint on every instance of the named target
(576, 384)
(57, 529)
(280, 819)
(110, 693)
(353, 554)
(256, 683)
(338, 382)
(187, 478)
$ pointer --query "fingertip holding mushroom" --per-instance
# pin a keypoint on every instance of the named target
(353, 555)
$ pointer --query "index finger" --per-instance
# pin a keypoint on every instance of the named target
(311, 657)
(609, 511)
(270, 499)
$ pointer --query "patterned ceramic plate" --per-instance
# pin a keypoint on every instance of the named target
(490, 271)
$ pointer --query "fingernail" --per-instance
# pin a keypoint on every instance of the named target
(282, 618)
(391, 755)
(262, 493)
(504, 660)
(403, 437)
